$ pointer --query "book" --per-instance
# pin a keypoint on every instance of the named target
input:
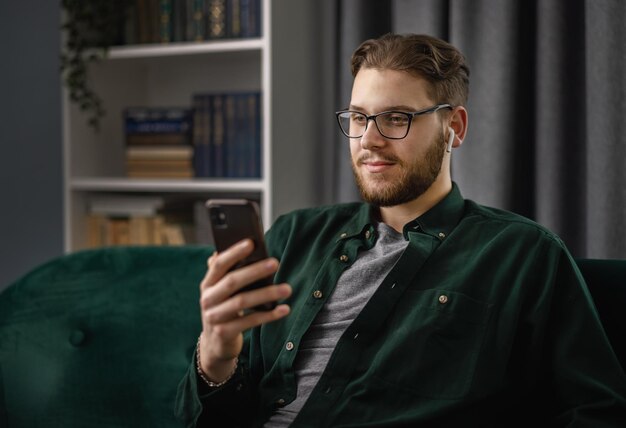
(250, 18)
(124, 205)
(159, 142)
(217, 10)
(217, 136)
(160, 164)
(157, 120)
(160, 174)
(179, 20)
(118, 232)
(165, 21)
(159, 152)
(96, 230)
(233, 18)
(254, 134)
(200, 149)
(142, 30)
(157, 139)
(227, 134)
(196, 16)
(173, 234)
(126, 220)
(232, 155)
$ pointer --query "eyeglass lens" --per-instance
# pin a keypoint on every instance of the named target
(390, 125)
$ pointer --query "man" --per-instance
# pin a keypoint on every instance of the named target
(417, 308)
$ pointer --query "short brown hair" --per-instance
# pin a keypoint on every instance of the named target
(441, 64)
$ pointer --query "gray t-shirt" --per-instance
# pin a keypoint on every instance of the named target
(354, 288)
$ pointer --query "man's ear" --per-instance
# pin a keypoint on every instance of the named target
(458, 122)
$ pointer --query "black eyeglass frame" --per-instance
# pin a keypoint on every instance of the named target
(410, 116)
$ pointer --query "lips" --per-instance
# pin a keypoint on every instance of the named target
(376, 166)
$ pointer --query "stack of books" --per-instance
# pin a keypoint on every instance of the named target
(227, 134)
(135, 220)
(158, 142)
(164, 21)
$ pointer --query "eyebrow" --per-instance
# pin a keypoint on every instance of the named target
(387, 108)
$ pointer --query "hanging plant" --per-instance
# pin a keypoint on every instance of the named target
(90, 28)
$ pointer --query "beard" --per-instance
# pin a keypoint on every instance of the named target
(414, 180)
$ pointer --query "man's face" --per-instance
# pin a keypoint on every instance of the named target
(392, 172)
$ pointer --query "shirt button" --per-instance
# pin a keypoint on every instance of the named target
(442, 235)
(343, 258)
(443, 299)
(280, 402)
(317, 294)
(289, 346)
(343, 235)
(368, 234)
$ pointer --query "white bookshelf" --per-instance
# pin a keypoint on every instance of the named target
(164, 76)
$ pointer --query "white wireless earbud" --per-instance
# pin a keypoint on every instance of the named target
(450, 139)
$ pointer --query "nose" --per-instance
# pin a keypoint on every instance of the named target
(372, 138)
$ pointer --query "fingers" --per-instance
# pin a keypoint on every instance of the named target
(238, 304)
(224, 307)
(234, 281)
(220, 263)
(228, 331)
(224, 324)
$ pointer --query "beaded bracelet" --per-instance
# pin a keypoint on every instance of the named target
(203, 376)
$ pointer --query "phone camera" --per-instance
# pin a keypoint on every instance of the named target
(218, 217)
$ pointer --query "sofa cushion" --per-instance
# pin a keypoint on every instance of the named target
(606, 279)
(100, 338)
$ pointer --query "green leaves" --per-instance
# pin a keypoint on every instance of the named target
(89, 28)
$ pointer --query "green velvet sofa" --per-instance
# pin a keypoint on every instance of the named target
(101, 338)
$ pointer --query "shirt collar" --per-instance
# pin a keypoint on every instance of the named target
(439, 221)
(360, 223)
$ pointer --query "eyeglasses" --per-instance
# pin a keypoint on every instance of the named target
(394, 125)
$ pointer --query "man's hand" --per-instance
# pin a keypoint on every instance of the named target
(223, 310)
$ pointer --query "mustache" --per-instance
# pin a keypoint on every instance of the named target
(378, 158)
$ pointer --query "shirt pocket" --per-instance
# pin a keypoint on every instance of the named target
(433, 343)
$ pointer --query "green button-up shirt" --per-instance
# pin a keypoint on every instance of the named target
(483, 321)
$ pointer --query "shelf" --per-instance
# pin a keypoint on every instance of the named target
(157, 75)
(114, 184)
(184, 48)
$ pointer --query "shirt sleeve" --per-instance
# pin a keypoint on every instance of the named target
(235, 403)
(230, 405)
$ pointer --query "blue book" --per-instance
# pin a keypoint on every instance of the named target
(230, 135)
(157, 126)
(218, 163)
(242, 137)
(254, 127)
(200, 149)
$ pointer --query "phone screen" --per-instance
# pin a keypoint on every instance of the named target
(233, 220)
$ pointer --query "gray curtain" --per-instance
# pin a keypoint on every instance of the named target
(547, 106)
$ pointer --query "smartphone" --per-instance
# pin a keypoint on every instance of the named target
(233, 220)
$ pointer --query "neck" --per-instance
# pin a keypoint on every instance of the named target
(399, 215)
